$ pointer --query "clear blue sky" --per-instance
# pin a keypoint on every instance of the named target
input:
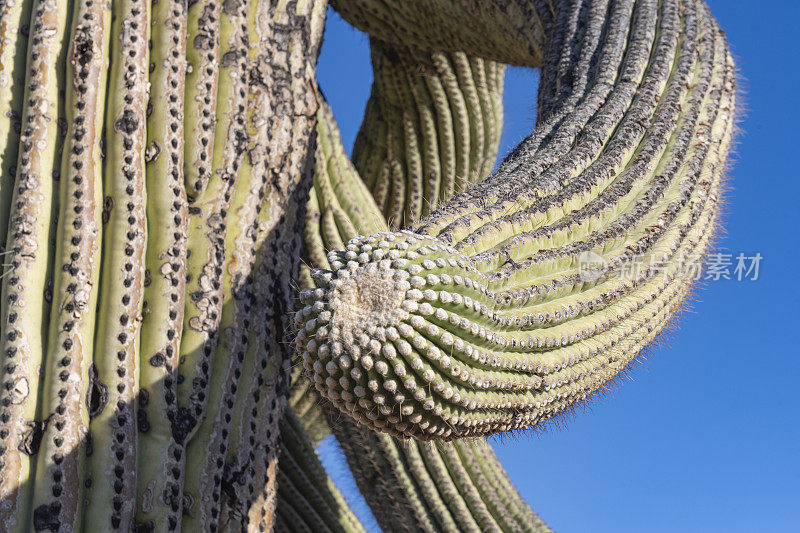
(705, 436)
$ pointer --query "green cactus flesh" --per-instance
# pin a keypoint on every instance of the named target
(163, 164)
(483, 316)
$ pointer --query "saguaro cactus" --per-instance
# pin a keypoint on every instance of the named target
(164, 165)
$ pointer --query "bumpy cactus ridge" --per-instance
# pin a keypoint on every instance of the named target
(408, 487)
(31, 166)
(160, 452)
(66, 368)
(14, 31)
(113, 418)
(488, 308)
(304, 489)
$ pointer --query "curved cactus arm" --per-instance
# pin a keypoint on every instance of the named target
(160, 469)
(444, 486)
(15, 17)
(506, 31)
(35, 163)
(431, 127)
(304, 485)
(524, 295)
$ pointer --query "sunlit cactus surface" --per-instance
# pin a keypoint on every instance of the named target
(199, 285)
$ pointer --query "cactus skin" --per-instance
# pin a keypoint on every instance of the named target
(477, 320)
(25, 302)
(15, 16)
(160, 469)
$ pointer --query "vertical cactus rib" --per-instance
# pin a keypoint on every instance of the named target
(430, 129)
(208, 214)
(114, 373)
(68, 396)
(15, 16)
(231, 240)
(34, 120)
(200, 101)
(304, 483)
(285, 40)
(305, 404)
(497, 321)
(160, 452)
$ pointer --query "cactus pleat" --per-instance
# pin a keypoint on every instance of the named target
(116, 363)
(59, 478)
(224, 253)
(31, 182)
(304, 485)
(490, 324)
(160, 467)
(209, 202)
(287, 37)
(304, 402)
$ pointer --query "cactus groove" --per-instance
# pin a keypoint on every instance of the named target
(199, 285)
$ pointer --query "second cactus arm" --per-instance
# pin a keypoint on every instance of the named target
(484, 317)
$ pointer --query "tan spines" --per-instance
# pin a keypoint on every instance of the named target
(160, 464)
(59, 485)
(34, 137)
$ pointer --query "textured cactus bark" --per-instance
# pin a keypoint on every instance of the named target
(483, 317)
